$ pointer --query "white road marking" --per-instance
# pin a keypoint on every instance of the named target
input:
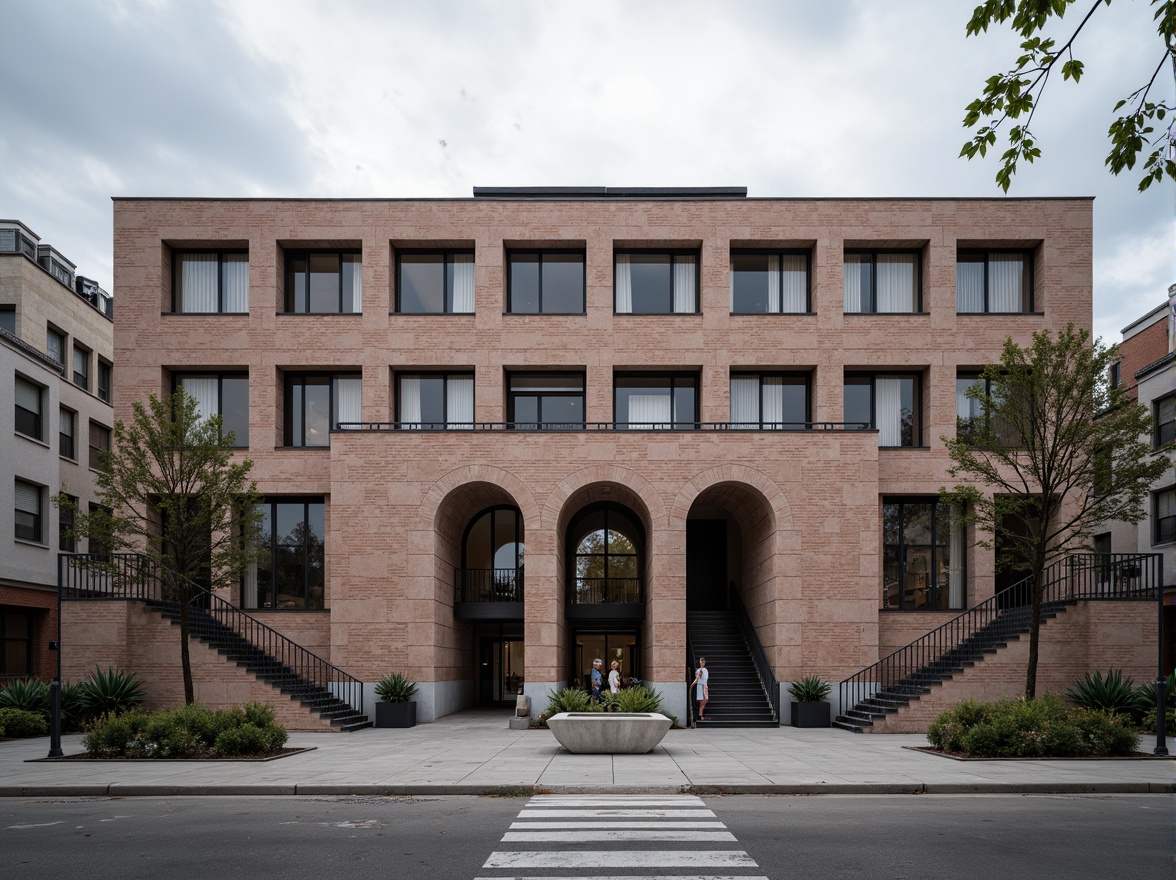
(597, 840)
(622, 859)
(586, 826)
(618, 801)
(641, 877)
(37, 825)
(703, 813)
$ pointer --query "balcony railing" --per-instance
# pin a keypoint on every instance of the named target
(488, 584)
(572, 427)
(606, 591)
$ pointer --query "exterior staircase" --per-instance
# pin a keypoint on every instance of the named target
(738, 695)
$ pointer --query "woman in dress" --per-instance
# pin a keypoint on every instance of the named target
(614, 678)
(701, 692)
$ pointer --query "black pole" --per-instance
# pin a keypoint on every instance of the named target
(1161, 698)
(55, 687)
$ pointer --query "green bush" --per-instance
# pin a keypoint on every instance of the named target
(192, 731)
(29, 694)
(1146, 693)
(395, 688)
(1045, 727)
(570, 700)
(1114, 693)
(21, 723)
(1148, 724)
(117, 736)
(110, 692)
(809, 689)
(638, 699)
(250, 739)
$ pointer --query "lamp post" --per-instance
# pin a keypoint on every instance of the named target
(55, 686)
(1161, 698)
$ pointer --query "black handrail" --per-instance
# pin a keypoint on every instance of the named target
(488, 584)
(606, 591)
(566, 427)
(763, 667)
(88, 576)
(1096, 576)
(690, 667)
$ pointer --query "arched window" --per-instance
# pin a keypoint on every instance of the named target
(606, 549)
(492, 556)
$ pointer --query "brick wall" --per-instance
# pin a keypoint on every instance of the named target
(1145, 347)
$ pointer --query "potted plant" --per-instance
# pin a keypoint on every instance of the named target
(809, 708)
(395, 707)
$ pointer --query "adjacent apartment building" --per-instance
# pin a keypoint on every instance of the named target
(504, 435)
(56, 356)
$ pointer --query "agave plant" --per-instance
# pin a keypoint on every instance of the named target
(110, 693)
(638, 699)
(569, 700)
(29, 694)
(395, 688)
(1112, 693)
(1146, 693)
(809, 689)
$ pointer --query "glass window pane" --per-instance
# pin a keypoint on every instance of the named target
(859, 408)
(546, 382)
(652, 284)
(685, 413)
(316, 420)
(324, 282)
(563, 284)
(296, 284)
(290, 576)
(917, 522)
(911, 434)
(8, 323)
(433, 401)
(422, 284)
(563, 411)
(352, 281)
(506, 539)
(749, 284)
(526, 409)
(235, 407)
(859, 283)
(643, 400)
(478, 555)
(524, 284)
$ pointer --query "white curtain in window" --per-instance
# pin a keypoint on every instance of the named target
(1165, 504)
(348, 392)
(206, 391)
(28, 498)
(410, 401)
(463, 283)
(235, 287)
(888, 411)
(684, 285)
(249, 586)
(459, 401)
(773, 401)
(896, 282)
(650, 410)
(955, 571)
(744, 401)
(774, 284)
(357, 286)
(198, 283)
(969, 287)
(624, 285)
(794, 285)
(1005, 276)
(853, 285)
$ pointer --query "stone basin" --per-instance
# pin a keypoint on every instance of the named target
(609, 733)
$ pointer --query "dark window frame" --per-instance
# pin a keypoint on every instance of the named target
(524, 252)
(69, 440)
(774, 374)
(221, 253)
(289, 377)
(971, 254)
(105, 379)
(67, 542)
(6, 641)
(781, 252)
(935, 548)
(220, 395)
(96, 451)
(541, 425)
(572, 554)
(292, 254)
(520, 558)
(34, 533)
(447, 255)
(917, 403)
(53, 333)
(1163, 433)
(873, 253)
(673, 375)
(8, 309)
(305, 500)
(84, 378)
(1163, 530)
(26, 422)
(696, 253)
(445, 375)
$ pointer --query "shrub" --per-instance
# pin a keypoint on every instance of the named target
(1148, 724)
(395, 688)
(1146, 693)
(570, 700)
(809, 689)
(638, 699)
(192, 731)
(29, 694)
(110, 692)
(1114, 693)
(946, 731)
(250, 739)
(21, 723)
(117, 736)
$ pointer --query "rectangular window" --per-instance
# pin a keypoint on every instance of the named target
(211, 282)
(316, 404)
(645, 401)
(545, 283)
(1165, 433)
(970, 421)
(221, 394)
(769, 283)
(16, 643)
(289, 572)
(770, 401)
(1115, 374)
(29, 520)
(66, 542)
(324, 282)
(67, 434)
(655, 283)
(105, 372)
(883, 282)
(889, 403)
(81, 367)
(435, 283)
(99, 446)
(30, 413)
(55, 345)
(1164, 515)
(8, 319)
(435, 401)
(994, 282)
(922, 555)
(545, 401)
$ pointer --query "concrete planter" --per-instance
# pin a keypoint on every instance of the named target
(810, 714)
(395, 714)
(609, 733)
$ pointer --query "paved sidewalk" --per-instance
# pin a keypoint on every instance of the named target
(475, 753)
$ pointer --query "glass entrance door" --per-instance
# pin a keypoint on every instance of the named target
(500, 670)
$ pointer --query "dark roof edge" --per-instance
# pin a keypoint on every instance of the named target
(1155, 365)
(611, 196)
(610, 192)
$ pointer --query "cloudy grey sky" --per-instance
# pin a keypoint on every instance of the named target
(366, 98)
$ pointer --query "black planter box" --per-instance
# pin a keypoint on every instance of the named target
(395, 714)
(810, 714)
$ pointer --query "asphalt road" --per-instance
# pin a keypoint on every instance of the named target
(1068, 837)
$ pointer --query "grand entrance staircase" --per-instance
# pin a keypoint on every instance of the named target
(901, 678)
(738, 695)
(292, 670)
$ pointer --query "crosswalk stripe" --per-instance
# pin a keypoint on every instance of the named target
(625, 835)
(701, 813)
(669, 825)
(620, 802)
(639, 877)
(615, 797)
(726, 858)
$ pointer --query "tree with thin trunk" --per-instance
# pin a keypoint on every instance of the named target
(1055, 451)
(172, 490)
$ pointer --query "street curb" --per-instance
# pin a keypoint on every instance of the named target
(377, 790)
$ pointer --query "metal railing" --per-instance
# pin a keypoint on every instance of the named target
(763, 667)
(488, 584)
(554, 428)
(605, 591)
(1095, 576)
(690, 667)
(130, 576)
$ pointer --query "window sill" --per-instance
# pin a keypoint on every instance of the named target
(1000, 314)
(889, 314)
(32, 439)
(288, 610)
(326, 448)
(771, 314)
(432, 314)
(205, 314)
(67, 458)
(886, 610)
(319, 314)
(40, 545)
(544, 314)
(657, 314)
(914, 448)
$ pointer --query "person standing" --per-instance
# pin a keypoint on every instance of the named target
(701, 691)
(597, 679)
(614, 678)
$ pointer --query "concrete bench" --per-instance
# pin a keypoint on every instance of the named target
(609, 733)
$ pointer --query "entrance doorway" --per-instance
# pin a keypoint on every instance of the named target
(500, 670)
(607, 645)
(706, 564)
(1016, 567)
